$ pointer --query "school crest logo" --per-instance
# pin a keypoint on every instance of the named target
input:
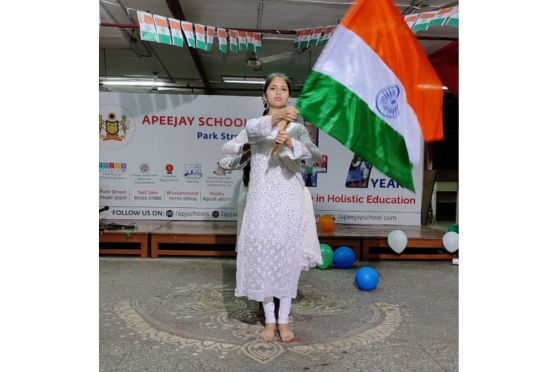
(116, 126)
(112, 129)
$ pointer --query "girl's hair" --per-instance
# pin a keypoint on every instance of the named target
(272, 76)
(246, 175)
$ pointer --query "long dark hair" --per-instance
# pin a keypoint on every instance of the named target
(268, 79)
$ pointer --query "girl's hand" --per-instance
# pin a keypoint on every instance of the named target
(283, 138)
(288, 114)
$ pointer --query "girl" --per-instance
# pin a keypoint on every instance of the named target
(274, 229)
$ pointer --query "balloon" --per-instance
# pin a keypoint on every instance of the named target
(454, 228)
(397, 240)
(327, 256)
(344, 258)
(451, 241)
(326, 223)
(367, 278)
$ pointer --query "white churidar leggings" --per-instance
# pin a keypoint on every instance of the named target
(284, 310)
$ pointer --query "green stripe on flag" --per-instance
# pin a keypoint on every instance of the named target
(339, 112)
(177, 41)
(453, 22)
(421, 27)
(148, 36)
(164, 39)
(437, 22)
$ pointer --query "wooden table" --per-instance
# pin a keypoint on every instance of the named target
(194, 232)
(139, 235)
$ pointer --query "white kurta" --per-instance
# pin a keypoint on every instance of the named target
(270, 254)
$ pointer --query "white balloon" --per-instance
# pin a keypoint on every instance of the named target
(451, 241)
(397, 241)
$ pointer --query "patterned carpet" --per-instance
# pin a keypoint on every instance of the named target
(181, 314)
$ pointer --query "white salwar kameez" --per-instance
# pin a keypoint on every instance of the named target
(278, 236)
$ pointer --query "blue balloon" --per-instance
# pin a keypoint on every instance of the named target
(344, 257)
(367, 278)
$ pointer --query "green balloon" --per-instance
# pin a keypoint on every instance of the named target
(327, 256)
(454, 228)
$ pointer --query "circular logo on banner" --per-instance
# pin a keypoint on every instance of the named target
(116, 126)
(144, 168)
(387, 101)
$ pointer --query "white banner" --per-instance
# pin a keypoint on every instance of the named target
(158, 153)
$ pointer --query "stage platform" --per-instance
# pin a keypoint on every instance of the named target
(209, 238)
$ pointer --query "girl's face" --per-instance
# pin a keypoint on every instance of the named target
(277, 93)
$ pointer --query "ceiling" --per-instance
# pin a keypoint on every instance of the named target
(123, 55)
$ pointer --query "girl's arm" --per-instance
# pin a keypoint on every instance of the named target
(235, 146)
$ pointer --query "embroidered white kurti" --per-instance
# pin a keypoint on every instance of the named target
(270, 246)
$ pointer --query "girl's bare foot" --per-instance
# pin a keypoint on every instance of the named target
(269, 331)
(285, 332)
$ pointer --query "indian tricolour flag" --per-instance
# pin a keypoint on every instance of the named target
(222, 36)
(242, 41)
(188, 29)
(375, 91)
(209, 38)
(298, 38)
(306, 35)
(249, 41)
(233, 37)
(163, 33)
(257, 42)
(423, 21)
(200, 36)
(147, 27)
(177, 38)
(441, 16)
